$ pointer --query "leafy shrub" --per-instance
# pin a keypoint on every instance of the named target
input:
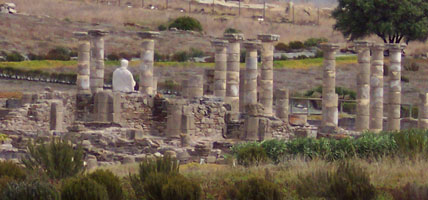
(152, 186)
(411, 142)
(405, 79)
(14, 57)
(348, 182)
(282, 47)
(83, 188)
(232, 30)
(32, 56)
(58, 159)
(30, 190)
(344, 93)
(250, 153)
(296, 45)
(254, 189)
(12, 170)
(162, 27)
(181, 56)
(195, 53)
(181, 188)
(319, 54)
(411, 66)
(160, 57)
(113, 56)
(110, 181)
(312, 42)
(275, 149)
(301, 57)
(186, 23)
(59, 53)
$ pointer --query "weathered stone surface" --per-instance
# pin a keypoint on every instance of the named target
(394, 83)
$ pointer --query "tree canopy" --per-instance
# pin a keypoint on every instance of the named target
(392, 20)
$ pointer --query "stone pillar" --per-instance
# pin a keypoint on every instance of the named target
(97, 60)
(83, 68)
(107, 106)
(362, 120)
(155, 85)
(330, 113)
(251, 73)
(220, 67)
(188, 121)
(208, 86)
(56, 116)
(242, 92)
(394, 83)
(174, 119)
(376, 88)
(266, 81)
(423, 111)
(184, 88)
(195, 86)
(147, 61)
(233, 65)
(282, 104)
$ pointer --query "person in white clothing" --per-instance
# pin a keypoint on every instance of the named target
(123, 81)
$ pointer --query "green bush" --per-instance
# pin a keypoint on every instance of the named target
(231, 30)
(162, 27)
(12, 170)
(405, 79)
(152, 186)
(301, 57)
(186, 23)
(181, 188)
(319, 54)
(30, 190)
(59, 53)
(83, 188)
(160, 57)
(282, 47)
(110, 181)
(296, 45)
(254, 189)
(312, 42)
(251, 153)
(195, 53)
(348, 182)
(14, 57)
(58, 158)
(113, 56)
(32, 56)
(181, 56)
(344, 93)
(275, 149)
(411, 142)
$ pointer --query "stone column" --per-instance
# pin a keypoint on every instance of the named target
(220, 67)
(362, 120)
(155, 85)
(233, 65)
(107, 106)
(423, 111)
(195, 87)
(83, 68)
(330, 113)
(376, 88)
(266, 81)
(242, 92)
(97, 60)
(56, 116)
(174, 119)
(251, 73)
(282, 104)
(147, 61)
(394, 83)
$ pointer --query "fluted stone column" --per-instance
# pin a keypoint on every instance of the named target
(362, 121)
(195, 87)
(266, 81)
(220, 67)
(394, 94)
(282, 104)
(251, 73)
(423, 111)
(233, 65)
(97, 60)
(242, 92)
(147, 61)
(376, 88)
(330, 113)
(83, 68)
(56, 116)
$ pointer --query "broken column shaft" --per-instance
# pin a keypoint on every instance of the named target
(97, 60)
(233, 65)
(330, 113)
(394, 83)
(83, 68)
(251, 73)
(56, 116)
(266, 81)
(362, 120)
(220, 67)
(423, 111)
(376, 88)
(282, 104)
(147, 61)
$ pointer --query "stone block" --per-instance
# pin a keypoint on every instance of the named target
(298, 120)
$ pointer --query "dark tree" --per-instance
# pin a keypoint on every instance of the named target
(392, 20)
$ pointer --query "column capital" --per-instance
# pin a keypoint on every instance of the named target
(268, 37)
(329, 46)
(219, 43)
(252, 44)
(395, 47)
(149, 35)
(378, 47)
(81, 35)
(234, 37)
(362, 44)
(97, 33)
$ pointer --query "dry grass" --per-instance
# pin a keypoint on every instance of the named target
(10, 95)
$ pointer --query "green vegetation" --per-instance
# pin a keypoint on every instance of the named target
(344, 93)
(110, 182)
(250, 154)
(312, 42)
(186, 23)
(30, 190)
(83, 188)
(59, 53)
(254, 189)
(14, 57)
(232, 30)
(296, 45)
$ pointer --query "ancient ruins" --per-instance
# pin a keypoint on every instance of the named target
(127, 126)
